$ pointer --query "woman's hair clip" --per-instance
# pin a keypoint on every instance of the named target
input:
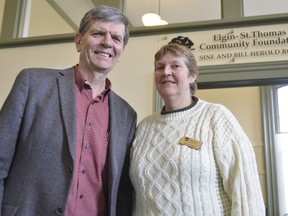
(185, 41)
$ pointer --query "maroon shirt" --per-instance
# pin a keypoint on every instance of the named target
(88, 192)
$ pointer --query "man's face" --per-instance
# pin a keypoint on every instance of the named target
(101, 46)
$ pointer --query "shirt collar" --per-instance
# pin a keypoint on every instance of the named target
(80, 81)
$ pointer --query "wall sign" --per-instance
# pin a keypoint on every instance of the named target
(238, 45)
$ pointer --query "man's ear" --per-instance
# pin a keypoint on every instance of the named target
(77, 41)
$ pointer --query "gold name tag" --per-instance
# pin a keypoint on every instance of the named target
(192, 143)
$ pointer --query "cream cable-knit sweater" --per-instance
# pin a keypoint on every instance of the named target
(220, 178)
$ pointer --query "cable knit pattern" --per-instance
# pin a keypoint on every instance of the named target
(172, 179)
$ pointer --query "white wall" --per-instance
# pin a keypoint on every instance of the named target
(132, 78)
(12, 60)
(266, 7)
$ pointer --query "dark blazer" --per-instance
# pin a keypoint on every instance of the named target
(38, 144)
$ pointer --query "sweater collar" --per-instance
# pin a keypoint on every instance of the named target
(195, 100)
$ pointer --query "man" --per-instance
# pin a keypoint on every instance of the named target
(65, 136)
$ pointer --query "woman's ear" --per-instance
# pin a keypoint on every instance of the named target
(192, 79)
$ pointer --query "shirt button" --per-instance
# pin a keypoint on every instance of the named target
(81, 196)
(87, 146)
(59, 211)
(83, 171)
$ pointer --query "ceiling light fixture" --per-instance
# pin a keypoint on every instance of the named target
(153, 19)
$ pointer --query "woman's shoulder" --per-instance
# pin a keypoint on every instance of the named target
(215, 107)
(212, 105)
(150, 119)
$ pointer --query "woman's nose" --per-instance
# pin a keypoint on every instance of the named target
(167, 71)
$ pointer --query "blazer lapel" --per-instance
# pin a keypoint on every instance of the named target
(68, 106)
(117, 148)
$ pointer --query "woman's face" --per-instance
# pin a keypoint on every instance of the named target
(172, 77)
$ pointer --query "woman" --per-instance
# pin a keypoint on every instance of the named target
(192, 157)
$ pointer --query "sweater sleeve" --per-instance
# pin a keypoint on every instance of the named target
(236, 161)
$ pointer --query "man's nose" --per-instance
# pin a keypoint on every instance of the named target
(106, 41)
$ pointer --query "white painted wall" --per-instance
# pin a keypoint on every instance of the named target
(132, 78)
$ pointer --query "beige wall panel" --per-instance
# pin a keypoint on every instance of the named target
(44, 20)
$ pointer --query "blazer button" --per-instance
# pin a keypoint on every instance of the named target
(59, 211)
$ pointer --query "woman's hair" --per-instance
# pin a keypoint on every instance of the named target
(178, 50)
(106, 14)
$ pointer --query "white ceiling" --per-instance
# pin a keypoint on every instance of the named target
(172, 11)
(182, 11)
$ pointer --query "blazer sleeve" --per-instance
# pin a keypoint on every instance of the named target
(11, 115)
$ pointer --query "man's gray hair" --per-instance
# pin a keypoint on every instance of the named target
(106, 14)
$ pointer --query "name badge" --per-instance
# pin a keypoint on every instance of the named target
(192, 143)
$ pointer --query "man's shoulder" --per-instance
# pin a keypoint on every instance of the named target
(43, 77)
(41, 71)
